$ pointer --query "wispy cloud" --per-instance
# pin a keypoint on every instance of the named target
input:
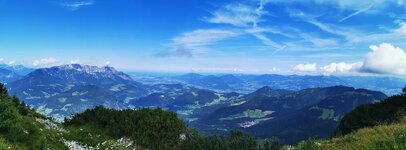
(322, 26)
(267, 41)
(356, 13)
(237, 14)
(190, 43)
(347, 4)
(319, 42)
(247, 17)
(76, 5)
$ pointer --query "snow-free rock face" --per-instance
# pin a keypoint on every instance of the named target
(75, 73)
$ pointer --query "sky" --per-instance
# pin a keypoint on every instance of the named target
(329, 37)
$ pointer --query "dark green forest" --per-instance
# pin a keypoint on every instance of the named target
(159, 129)
(391, 110)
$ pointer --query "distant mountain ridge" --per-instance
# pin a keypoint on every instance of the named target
(7, 76)
(291, 116)
(10, 73)
(249, 83)
(18, 69)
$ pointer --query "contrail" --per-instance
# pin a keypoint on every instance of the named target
(357, 12)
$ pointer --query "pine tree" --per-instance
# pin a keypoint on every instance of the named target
(3, 90)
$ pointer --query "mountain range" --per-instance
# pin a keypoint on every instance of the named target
(291, 116)
(209, 103)
(243, 83)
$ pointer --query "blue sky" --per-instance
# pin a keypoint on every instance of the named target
(247, 36)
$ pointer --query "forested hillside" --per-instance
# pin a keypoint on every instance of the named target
(389, 111)
(378, 126)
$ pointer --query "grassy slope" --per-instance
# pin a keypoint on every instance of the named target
(381, 137)
(44, 138)
(87, 136)
(24, 129)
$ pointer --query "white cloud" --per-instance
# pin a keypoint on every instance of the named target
(385, 59)
(274, 69)
(306, 67)
(75, 61)
(107, 63)
(342, 67)
(44, 62)
(75, 5)
(238, 70)
(12, 62)
(402, 28)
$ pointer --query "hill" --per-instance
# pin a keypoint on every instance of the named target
(372, 126)
(291, 116)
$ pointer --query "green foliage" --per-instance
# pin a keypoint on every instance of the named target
(19, 128)
(151, 128)
(237, 140)
(389, 111)
(3, 90)
(241, 141)
(270, 144)
(308, 145)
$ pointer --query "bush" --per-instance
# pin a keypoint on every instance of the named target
(270, 144)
